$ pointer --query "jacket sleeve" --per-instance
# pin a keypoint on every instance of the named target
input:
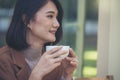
(6, 69)
(63, 78)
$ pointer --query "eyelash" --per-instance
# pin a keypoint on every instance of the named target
(50, 16)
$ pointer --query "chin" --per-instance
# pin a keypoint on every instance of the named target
(51, 40)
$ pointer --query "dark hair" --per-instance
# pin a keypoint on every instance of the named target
(16, 35)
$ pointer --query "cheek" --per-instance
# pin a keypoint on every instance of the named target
(39, 30)
(35, 25)
(40, 26)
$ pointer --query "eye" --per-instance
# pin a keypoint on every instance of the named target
(50, 16)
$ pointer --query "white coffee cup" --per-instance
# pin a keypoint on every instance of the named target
(63, 48)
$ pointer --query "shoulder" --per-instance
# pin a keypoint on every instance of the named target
(4, 49)
(5, 53)
(6, 64)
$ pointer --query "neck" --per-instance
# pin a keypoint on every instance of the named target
(36, 46)
(34, 41)
(32, 54)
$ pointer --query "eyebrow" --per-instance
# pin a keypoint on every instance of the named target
(51, 12)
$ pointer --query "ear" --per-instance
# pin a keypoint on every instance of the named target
(24, 19)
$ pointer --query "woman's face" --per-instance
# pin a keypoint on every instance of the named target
(44, 25)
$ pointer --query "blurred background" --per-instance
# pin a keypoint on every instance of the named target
(80, 25)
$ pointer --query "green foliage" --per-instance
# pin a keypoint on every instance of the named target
(89, 66)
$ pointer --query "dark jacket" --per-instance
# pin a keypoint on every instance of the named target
(14, 67)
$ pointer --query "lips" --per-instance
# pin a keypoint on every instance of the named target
(53, 31)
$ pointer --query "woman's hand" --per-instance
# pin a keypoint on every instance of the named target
(48, 62)
(70, 63)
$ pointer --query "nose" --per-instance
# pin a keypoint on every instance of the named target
(56, 23)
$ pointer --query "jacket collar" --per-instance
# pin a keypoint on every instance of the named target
(19, 61)
(18, 58)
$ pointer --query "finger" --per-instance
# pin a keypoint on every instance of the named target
(72, 59)
(55, 65)
(59, 59)
(69, 58)
(74, 64)
(75, 60)
(60, 52)
(72, 53)
(54, 50)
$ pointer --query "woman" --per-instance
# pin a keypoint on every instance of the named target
(34, 25)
